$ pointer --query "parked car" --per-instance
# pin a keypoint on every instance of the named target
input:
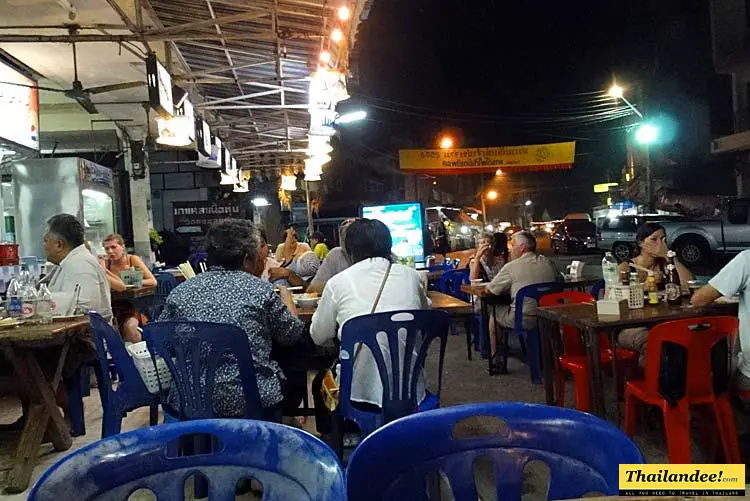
(618, 233)
(575, 235)
(696, 240)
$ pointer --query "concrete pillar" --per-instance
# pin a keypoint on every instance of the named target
(140, 206)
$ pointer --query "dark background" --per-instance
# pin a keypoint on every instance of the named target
(504, 73)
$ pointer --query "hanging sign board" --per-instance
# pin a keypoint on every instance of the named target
(193, 219)
(19, 108)
(531, 158)
(159, 87)
(203, 140)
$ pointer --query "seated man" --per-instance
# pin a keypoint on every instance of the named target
(733, 279)
(64, 246)
(231, 292)
(526, 267)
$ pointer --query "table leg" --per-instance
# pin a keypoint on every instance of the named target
(486, 326)
(597, 392)
(546, 331)
(44, 416)
(613, 346)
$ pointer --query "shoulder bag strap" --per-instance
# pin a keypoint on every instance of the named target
(374, 306)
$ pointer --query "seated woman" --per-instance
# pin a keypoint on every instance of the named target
(492, 254)
(651, 241)
(352, 293)
(117, 261)
(318, 244)
(231, 292)
(290, 249)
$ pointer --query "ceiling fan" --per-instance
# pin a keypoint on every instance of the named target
(80, 94)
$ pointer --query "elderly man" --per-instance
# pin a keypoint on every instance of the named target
(64, 246)
(231, 292)
(526, 267)
(334, 263)
(734, 278)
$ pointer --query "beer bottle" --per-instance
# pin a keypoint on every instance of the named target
(672, 285)
(651, 289)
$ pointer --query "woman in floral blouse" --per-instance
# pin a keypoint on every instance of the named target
(231, 292)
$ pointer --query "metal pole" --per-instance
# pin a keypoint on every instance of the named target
(484, 210)
(309, 209)
(649, 194)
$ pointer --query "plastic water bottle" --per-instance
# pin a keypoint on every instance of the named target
(44, 305)
(14, 305)
(609, 272)
(29, 300)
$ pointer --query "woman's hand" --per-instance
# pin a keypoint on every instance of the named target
(278, 274)
(656, 250)
(481, 250)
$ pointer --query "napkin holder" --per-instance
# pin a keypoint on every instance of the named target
(575, 269)
(612, 307)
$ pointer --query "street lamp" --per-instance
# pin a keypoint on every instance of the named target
(492, 195)
(618, 92)
(446, 143)
(647, 134)
(527, 203)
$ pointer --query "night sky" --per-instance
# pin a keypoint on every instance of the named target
(498, 73)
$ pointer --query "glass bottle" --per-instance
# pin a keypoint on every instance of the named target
(651, 289)
(672, 285)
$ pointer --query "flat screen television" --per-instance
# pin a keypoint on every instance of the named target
(405, 222)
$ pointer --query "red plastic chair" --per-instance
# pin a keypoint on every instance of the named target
(698, 336)
(574, 359)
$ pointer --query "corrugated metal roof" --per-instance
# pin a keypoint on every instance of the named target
(267, 59)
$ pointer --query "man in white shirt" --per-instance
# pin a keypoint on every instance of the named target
(64, 246)
(733, 279)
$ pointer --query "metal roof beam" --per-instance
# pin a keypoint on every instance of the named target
(129, 23)
(274, 86)
(210, 104)
(262, 107)
(221, 69)
(214, 21)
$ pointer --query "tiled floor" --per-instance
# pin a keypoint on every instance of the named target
(463, 382)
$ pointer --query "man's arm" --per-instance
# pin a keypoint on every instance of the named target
(323, 328)
(730, 280)
(501, 283)
(325, 272)
(705, 295)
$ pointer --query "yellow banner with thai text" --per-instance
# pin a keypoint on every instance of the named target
(682, 480)
(529, 158)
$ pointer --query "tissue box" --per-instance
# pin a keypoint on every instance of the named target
(132, 277)
(612, 307)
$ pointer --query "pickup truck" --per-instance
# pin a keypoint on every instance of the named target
(695, 241)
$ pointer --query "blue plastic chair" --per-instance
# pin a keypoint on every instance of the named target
(288, 463)
(451, 282)
(130, 393)
(165, 282)
(530, 337)
(581, 451)
(399, 387)
(196, 259)
(597, 288)
(193, 352)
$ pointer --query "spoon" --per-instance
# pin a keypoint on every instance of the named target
(77, 293)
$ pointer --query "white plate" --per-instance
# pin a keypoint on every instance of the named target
(728, 300)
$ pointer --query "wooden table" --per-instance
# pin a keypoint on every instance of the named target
(21, 345)
(585, 318)
(440, 301)
(134, 292)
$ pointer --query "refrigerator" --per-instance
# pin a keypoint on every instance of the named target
(43, 187)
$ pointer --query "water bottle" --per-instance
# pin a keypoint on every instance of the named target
(44, 305)
(14, 305)
(29, 299)
(609, 272)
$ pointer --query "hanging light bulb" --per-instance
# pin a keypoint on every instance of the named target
(228, 178)
(344, 13)
(241, 188)
(337, 35)
(325, 57)
(289, 183)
